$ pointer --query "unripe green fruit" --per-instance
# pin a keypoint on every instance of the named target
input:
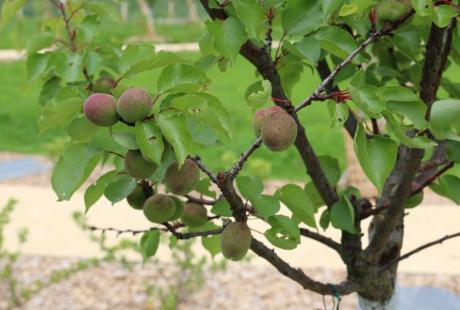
(236, 240)
(279, 131)
(134, 105)
(179, 209)
(138, 196)
(137, 166)
(392, 10)
(81, 129)
(101, 109)
(159, 208)
(104, 85)
(261, 115)
(194, 215)
(182, 181)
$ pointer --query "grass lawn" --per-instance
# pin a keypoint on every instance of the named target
(19, 110)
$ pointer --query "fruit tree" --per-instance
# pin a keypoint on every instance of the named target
(381, 65)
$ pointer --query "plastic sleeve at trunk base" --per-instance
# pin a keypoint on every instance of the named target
(391, 304)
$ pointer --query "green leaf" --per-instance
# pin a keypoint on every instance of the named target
(330, 166)
(336, 41)
(284, 234)
(59, 114)
(133, 55)
(343, 216)
(355, 7)
(39, 41)
(325, 219)
(376, 155)
(36, 66)
(266, 206)
(203, 188)
(181, 78)
(367, 99)
(399, 130)
(313, 194)
(228, 36)
(9, 9)
(259, 98)
(125, 139)
(252, 15)
(298, 202)
(423, 7)
(68, 66)
(453, 151)
(73, 168)
(208, 111)
(249, 187)
(174, 128)
(302, 17)
(309, 48)
(447, 186)
(212, 244)
(95, 191)
(162, 59)
(222, 208)
(402, 100)
(149, 244)
(119, 188)
(150, 140)
(414, 201)
(445, 119)
(443, 14)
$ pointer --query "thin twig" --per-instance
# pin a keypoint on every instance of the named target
(191, 235)
(373, 37)
(420, 248)
(244, 157)
(203, 201)
(322, 239)
(415, 190)
(433, 178)
(204, 168)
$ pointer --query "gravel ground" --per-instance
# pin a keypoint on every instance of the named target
(240, 286)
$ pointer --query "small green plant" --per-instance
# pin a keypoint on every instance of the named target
(8, 258)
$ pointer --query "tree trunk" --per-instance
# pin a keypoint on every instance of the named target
(145, 10)
(380, 289)
(192, 13)
(391, 304)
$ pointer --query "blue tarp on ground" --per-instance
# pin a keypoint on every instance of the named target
(428, 298)
(13, 169)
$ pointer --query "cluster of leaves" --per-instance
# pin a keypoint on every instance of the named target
(383, 82)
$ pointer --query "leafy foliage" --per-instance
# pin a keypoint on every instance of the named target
(381, 84)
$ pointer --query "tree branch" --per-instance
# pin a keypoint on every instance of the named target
(167, 227)
(420, 185)
(244, 157)
(428, 181)
(298, 275)
(397, 188)
(204, 168)
(190, 235)
(420, 248)
(375, 36)
(203, 201)
(321, 239)
(266, 67)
